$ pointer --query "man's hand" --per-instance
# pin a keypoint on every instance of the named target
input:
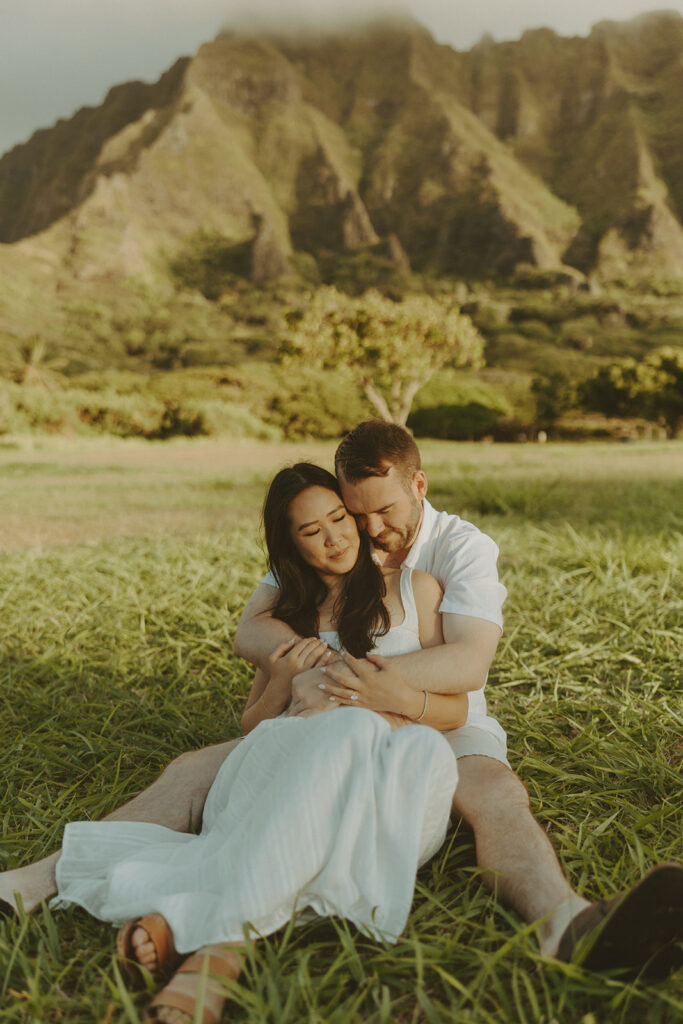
(371, 683)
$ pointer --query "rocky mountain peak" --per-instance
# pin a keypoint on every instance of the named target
(547, 150)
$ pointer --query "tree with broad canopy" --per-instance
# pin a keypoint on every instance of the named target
(391, 348)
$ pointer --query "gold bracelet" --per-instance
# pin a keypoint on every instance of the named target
(424, 709)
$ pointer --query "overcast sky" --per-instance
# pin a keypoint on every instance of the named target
(59, 55)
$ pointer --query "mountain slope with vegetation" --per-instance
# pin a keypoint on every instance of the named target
(603, 130)
(543, 151)
(538, 183)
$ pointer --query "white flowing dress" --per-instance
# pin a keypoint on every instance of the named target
(332, 813)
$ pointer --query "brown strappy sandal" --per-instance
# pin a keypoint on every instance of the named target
(161, 937)
(221, 964)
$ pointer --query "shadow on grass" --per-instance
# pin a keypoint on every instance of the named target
(77, 740)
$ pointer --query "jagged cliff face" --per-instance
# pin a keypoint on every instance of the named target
(432, 173)
(545, 151)
(600, 120)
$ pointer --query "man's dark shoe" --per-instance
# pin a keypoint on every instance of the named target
(639, 932)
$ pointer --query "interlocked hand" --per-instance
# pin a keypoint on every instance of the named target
(372, 683)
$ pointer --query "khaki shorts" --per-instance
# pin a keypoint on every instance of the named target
(469, 739)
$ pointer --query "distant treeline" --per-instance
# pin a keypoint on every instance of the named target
(265, 401)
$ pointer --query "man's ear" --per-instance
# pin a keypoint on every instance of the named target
(420, 483)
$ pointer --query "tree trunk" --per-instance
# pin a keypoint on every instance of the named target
(402, 408)
(377, 400)
(399, 409)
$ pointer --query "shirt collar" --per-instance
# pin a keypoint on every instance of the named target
(429, 517)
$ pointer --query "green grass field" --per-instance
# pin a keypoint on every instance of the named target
(125, 569)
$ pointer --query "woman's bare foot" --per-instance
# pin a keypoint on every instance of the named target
(145, 945)
(188, 982)
(144, 950)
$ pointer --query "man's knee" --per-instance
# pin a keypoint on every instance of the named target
(180, 768)
(196, 769)
(178, 788)
(487, 787)
(185, 782)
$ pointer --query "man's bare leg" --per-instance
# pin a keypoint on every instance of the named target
(516, 856)
(175, 799)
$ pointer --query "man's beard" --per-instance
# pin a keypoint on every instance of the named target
(397, 538)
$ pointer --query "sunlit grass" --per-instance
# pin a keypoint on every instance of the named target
(117, 655)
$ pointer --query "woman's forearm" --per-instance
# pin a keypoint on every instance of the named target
(271, 690)
(257, 713)
(266, 700)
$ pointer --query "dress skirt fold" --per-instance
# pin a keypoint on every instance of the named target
(332, 813)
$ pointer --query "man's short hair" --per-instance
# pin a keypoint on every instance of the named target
(372, 448)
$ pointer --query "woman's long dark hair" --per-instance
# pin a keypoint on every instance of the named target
(359, 611)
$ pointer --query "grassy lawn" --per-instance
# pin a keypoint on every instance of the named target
(124, 571)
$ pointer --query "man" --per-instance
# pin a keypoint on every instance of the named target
(384, 487)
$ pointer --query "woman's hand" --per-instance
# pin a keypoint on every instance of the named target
(293, 657)
(307, 697)
(272, 692)
(369, 683)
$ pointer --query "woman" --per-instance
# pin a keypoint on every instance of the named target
(332, 813)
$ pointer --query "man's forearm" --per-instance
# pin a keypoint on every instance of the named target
(447, 668)
(257, 637)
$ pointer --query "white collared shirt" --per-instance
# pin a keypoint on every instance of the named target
(463, 560)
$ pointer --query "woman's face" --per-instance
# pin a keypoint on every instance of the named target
(324, 533)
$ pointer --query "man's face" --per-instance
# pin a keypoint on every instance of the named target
(388, 507)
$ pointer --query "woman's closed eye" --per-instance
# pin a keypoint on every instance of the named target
(337, 519)
(312, 533)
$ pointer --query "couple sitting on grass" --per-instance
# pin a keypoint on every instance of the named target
(388, 613)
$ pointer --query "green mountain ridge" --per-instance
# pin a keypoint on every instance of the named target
(277, 154)
(603, 132)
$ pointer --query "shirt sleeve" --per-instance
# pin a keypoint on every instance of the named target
(270, 580)
(470, 578)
